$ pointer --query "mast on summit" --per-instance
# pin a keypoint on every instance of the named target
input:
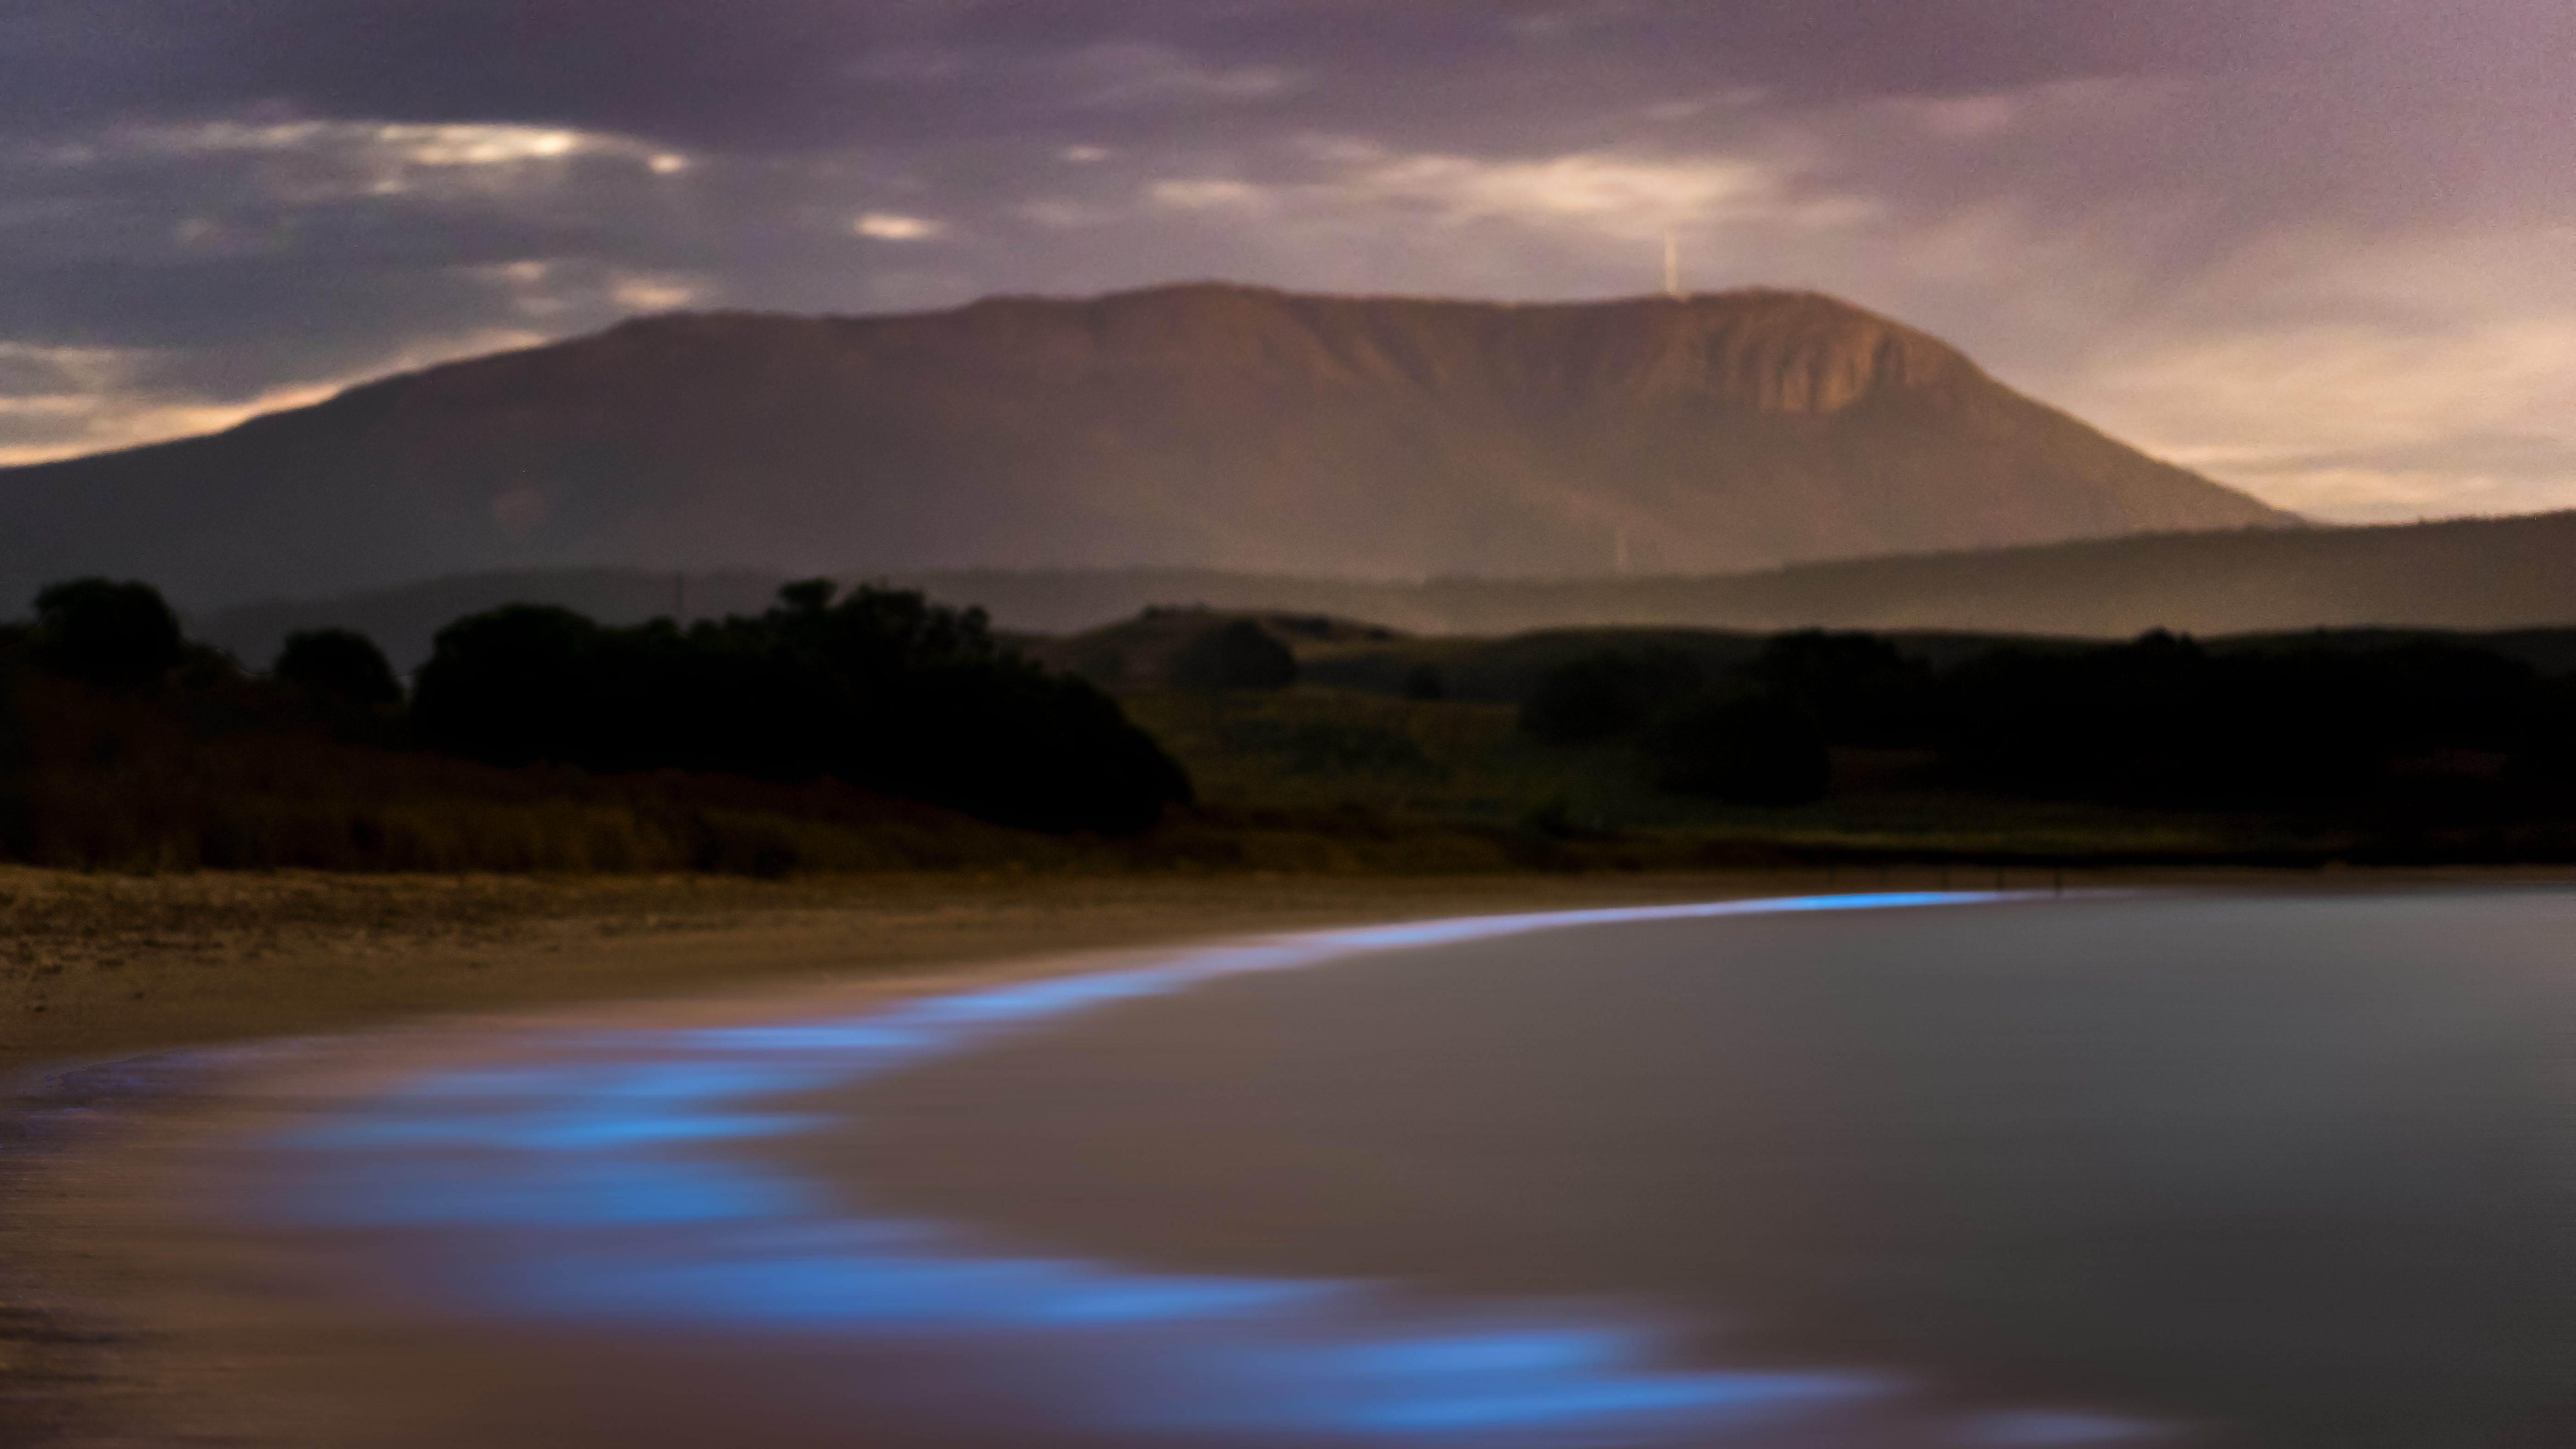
(1672, 266)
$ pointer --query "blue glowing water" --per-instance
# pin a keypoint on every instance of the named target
(610, 1178)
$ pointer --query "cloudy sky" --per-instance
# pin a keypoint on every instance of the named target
(2321, 249)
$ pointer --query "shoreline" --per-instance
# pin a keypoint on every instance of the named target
(108, 1336)
(96, 968)
(107, 1331)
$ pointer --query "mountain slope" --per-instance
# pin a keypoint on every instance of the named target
(1203, 426)
(2468, 574)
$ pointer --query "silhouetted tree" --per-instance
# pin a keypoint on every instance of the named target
(2544, 753)
(515, 684)
(1425, 683)
(1748, 747)
(341, 662)
(107, 632)
(807, 596)
(1861, 690)
(1587, 700)
(1236, 655)
(879, 687)
(2163, 721)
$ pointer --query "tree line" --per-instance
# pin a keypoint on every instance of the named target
(888, 692)
(2159, 720)
(879, 688)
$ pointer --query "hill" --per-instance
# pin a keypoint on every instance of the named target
(2476, 574)
(1199, 426)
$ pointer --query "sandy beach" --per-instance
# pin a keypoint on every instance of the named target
(137, 1013)
(140, 1014)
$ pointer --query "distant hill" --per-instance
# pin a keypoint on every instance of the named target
(2480, 574)
(2462, 574)
(1167, 646)
(1204, 426)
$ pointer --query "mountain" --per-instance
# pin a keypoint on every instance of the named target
(2468, 574)
(1201, 426)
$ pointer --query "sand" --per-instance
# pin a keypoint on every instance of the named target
(135, 1013)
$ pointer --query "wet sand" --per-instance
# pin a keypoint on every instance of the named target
(138, 1015)
(130, 1322)
(99, 966)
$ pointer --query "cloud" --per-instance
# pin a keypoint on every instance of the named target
(61, 427)
(1623, 196)
(1214, 194)
(1060, 214)
(2359, 376)
(1610, 195)
(1130, 73)
(544, 291)
(303, 192)
(373, 156)
(60, 402)
(2361, 421)
(33, 377)
(448, 145)
(645, 292)
(894, 226)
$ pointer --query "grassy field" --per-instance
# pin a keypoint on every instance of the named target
(1317, 754)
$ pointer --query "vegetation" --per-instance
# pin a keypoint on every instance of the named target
(818, 734)
(2163, 720)
(878, 729)
(1362, 766)
(1755, 736)
(1607, 694)
(2157, 722)
(107, 633)
(1239, 654)
(1195, 648)
(2366, 746)
(1754, 747)
(341, 663)
(882, 690)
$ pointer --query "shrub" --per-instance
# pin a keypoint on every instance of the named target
(1756, 748)
(1236, 655)
(107, 632)
(513, 685)
(339, 662)
(1587, 700)
(1860, 689)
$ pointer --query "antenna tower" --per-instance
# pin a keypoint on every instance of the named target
(1672, 266)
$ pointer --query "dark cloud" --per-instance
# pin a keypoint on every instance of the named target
(770, 73)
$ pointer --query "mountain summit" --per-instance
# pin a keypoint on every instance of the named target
(1204, 425)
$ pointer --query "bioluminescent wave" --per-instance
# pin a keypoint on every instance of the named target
(604, 1178)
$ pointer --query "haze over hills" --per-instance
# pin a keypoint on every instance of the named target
(2474, 574)
(1203, 426)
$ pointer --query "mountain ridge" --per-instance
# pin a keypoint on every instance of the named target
(1203, 425)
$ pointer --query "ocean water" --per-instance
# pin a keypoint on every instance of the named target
(2280, 1171)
